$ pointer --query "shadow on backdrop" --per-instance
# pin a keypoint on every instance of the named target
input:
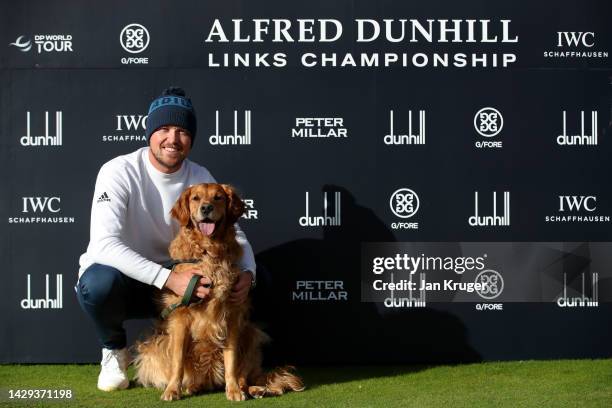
(346, 331)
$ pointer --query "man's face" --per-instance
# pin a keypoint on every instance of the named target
(169, 146)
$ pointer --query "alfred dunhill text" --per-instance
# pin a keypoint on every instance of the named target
(278, 33)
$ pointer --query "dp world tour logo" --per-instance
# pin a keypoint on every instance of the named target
(134, 38)
(491, 282)
(22, 43)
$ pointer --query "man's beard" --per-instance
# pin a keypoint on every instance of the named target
(174, 163)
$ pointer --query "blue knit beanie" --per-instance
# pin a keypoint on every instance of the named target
(172, 107)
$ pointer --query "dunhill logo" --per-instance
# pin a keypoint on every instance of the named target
(46, 139)
(582, 138)
(235, 138)
(410, 138)
(410, 301)
(494, 220)
(325, 220)
(46, 302)
(581, 301)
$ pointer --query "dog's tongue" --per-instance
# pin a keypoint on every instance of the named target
(206, 228)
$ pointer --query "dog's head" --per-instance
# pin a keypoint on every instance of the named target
(209, 208)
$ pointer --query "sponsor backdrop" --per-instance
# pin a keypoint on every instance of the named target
(425, 181)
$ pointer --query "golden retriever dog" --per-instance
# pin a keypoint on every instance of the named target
(210, 344)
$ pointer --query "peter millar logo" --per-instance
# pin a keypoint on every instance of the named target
(582, 138)
(45, 43)
(577, 208)
(232, 138)
(319, 290)
(41, 206)
(477, 220)
(491, 284)
(582, 300)
(46, 139)
(46, 302)
(325, 220)
(575, 45)
(327, 128)
(129, 128)
(404, 203)
(415, 133)
(134, 39)
(488, 122)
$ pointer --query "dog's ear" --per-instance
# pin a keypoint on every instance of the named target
(235, 206)
(180, 211)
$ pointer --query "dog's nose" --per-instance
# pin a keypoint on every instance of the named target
(207, 208)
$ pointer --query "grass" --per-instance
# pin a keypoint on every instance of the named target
(561, 383)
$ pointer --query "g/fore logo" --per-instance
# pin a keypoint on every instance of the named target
(409, 138)
(488, 122)
(576, 204)
(325, 220)
(579, 139)
(232, 138)
(134, 38)
(45, 43)
(404, 203)
(46, 139)
(491, 284)
(491, 220)
(40, 205)
(319, 290)
(129, 124)
(319, 128)
(46, 302)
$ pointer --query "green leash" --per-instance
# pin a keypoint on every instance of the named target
(193, 283)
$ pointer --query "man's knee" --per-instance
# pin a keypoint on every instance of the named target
(100, 282)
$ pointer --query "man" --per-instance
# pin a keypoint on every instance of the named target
(131, 229)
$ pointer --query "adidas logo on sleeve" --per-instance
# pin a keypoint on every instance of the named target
(104, 198)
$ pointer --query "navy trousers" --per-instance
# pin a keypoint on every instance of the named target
(109, 298)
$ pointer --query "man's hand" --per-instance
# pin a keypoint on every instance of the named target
(240, 291)
(178, 282)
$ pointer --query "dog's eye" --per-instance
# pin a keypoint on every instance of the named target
(195, 198)
(217, 197)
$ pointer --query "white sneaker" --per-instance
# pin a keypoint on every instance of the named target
(113, 375)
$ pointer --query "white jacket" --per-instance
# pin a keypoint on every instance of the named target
(131, 227)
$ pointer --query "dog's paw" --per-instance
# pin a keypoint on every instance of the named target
(234, 393)
(171, 394)
(257, 391)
